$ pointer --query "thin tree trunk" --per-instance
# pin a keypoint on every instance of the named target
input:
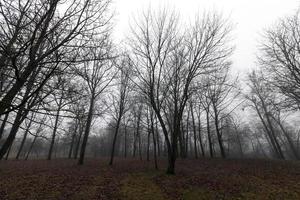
(195, 132)
(114, 141)
(73, 140)
(157, 137)
(79, 139)
(15, 127)
(274, 136)
(240, 144)
(187, 136)
(24, 138)
(181, 142)
(125, 141)
(134, 144)
(54, 132)
(261, 147)
(148, 144)
(140, 147)
(272, 132)
(200, 138)
(154, 139)
(31, 146)
(290, 141)
(298, 141)
(3, 125)
(7, 154)
(208, 134)
(219, 135)
(87, 131)
(271, 136)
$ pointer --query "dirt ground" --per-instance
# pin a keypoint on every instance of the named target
(137, 180)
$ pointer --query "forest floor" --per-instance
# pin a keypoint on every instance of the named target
(137, 180)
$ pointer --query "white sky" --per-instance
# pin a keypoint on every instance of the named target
(249, 16)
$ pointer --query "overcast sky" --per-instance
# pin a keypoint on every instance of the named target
(249, 16)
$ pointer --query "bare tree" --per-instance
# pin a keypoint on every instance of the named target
(97, 74)
(168, 62)
(280, 57)
(121, 99)
(35, 34)
(222, 92)
(261, 98)
(61, 98)
(38, 40)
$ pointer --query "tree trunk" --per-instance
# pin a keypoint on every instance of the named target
(114, 141)
(182, 142)
(3, 125)
(140, 147)
(18, 120)
(79, 139)
(200, 138)
(31, 146)
(195, 132)
(171, 163)
(208, 134)
(148, 144)
(125, 141)
(73, 140)
(154, 140)
(54, 132)
(157, 137)
(15, 127)
(187, 136)
(272, 132)
(7, 154)
(271, 135)
(219, 136)
(87, 131)
(134, 144)
(290, 141)
(240, 144)
(24, 138)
